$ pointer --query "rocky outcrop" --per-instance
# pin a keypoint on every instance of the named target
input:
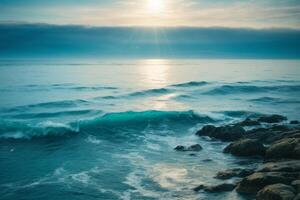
(236, 172)
(276, 192)
(249, 122)
(258, 180)
(296, 185)
(224, 133)
(283, 149)
(195, 147)
(246, 147)
(277, 144)
(282, 166)
(294, 122)
(285, 172)
(272, 118)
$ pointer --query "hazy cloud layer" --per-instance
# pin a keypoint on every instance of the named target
(196, 13)
(17, 40)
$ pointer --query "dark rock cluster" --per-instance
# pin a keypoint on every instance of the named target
(276, 143)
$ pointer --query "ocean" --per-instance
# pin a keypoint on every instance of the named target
(106, 129)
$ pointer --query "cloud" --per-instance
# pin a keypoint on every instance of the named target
(195, 13)
(38, 40)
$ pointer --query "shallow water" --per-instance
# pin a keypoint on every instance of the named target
(82, 129)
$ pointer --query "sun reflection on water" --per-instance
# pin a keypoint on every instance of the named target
(155, 72)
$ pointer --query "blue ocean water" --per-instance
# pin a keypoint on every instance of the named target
(106, 129)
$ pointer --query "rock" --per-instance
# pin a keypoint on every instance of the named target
(269, 135)
(258, 180)
(280, 128)
(195, 147)
(283, 166)
(294, 122)
(224, 187)
(224, 133)
(237, 172)
(272, 118)
(246, 147)
(179, 148)
(296, 185)
(297, 197)
(249, 122)
(207, 160)
(276, 192)
(285, 148)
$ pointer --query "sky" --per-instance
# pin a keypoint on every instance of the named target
(168, 13)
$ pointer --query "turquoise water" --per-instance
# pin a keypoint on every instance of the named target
(106, 129)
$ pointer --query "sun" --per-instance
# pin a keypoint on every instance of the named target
(156, 6)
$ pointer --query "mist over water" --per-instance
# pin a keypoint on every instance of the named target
(106, 129)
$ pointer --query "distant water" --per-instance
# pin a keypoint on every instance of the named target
(77, 129)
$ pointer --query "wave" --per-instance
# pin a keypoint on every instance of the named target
(159, 91)
(191, 84)
(102, 125)
(275, 100)
(237, 89)
(21, 130)
(53, 104)
(65, 86)
(55, 114)
(265, 100)
(240, 114)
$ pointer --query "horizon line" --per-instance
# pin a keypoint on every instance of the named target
(145, 27)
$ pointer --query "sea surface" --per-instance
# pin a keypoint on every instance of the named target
(106, 129)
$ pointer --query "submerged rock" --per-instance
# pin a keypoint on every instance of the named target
(195, 147)
(224, 187)
(258, 180)
(249, 122)
(180, 148)
(224, 133)
(272, 119)
(246, 147)
(237, 172)
(285, 148)
(294, 122)
(276, 192)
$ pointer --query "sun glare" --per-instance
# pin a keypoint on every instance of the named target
(156, 6)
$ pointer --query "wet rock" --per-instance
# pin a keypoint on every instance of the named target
(195, 147)
(294, 122)
(258, 180)
(224, 187)
(297, 197)
(280, 128)
(285, 148)
(272, 119)
(282, 166)
(296, 185)
(180, 148)
(237, 172)
(276, 192)
(246, 147)
(223, 133)
(249, 122)
(269, 135)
